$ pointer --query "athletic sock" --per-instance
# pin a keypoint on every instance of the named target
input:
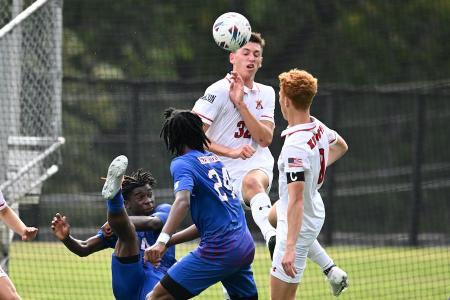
(318, 255)
(115, 205)
(260, 206)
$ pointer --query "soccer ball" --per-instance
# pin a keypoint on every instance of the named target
(231, 31)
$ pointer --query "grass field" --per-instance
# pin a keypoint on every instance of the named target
(48, 271)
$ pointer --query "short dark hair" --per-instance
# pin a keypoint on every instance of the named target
(135, 180)
(256, 37)
(181, 129)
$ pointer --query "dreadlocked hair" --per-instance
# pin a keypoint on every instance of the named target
(136, 179)
(181, 129)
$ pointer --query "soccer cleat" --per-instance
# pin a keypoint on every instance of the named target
(271, 245)
(338, 280)
(114, 178)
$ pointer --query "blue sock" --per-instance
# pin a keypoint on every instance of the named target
(115, 205)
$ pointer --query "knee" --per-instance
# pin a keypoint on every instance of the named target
(251, 186)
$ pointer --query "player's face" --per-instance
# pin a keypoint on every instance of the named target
(282, 100)
(247, 60)
(141, 201)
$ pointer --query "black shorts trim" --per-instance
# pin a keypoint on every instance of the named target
(175, 289)
(254, 297)
(128, 259)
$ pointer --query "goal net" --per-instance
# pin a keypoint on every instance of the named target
(30, 99)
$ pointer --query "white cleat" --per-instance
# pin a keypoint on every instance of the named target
(114, 178)
(338, 280)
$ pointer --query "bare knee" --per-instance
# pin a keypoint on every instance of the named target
(252, 185)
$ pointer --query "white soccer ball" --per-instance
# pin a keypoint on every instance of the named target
(231, 31)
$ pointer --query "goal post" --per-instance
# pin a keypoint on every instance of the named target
(30, 101)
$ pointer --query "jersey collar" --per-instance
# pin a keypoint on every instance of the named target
(247, 90)
(300, 127)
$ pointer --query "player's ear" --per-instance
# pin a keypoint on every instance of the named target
(231, 57)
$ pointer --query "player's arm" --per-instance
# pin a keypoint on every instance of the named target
(296, 186)
(243, 152)
(185, 235)
(337, 150)
(261, 131)
(146, 223)
(12, 220)
(178, 212)
(61, 229)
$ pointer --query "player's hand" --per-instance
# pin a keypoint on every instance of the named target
(153, 254)
(106, 230)
(288, 262)
(29, 234)
(60, 226)
(243, 152)
(236, 89)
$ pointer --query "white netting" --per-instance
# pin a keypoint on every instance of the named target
(30, 95)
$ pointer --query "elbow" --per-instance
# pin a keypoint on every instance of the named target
(265, 141)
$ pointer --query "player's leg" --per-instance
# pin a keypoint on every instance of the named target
(188, 278)
(241, 284)
(7, 288)
(337, 277)
(254, 192)
(273, 215)
(127, 245)
(280, 290)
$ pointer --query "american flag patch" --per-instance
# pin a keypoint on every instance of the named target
(295, 162)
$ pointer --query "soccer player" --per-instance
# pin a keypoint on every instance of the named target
(308, 147)
(240, 127)
(202, 185)
(132, 278)
(10, 218)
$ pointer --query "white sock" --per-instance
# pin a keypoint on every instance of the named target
(260, 205)
(318, 255)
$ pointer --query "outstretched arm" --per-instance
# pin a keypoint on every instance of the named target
(185, 235)
(61, 229)
(146, 223)
(12, 220)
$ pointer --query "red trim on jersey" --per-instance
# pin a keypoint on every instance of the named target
(202, 116)
(289, 133)
(2, 204)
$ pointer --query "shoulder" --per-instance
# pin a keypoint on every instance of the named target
(164, 207)
(219, 88)
(266, 89)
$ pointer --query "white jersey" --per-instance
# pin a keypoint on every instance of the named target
(305, 149)
(2, 201)
(227, 128)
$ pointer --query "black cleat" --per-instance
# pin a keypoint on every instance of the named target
(271, 244)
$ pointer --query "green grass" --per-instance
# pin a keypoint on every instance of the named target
(48, 271)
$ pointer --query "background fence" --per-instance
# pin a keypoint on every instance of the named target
(383, 70)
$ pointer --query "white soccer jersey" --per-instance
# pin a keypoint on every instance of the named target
(305, 149)
(2, 201)
(227, 127)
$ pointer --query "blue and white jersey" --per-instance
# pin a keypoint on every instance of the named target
(215, 209)
(148, 238)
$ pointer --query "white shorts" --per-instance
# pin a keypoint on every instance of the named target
(2, 273)
(304, 242)
(237, 182)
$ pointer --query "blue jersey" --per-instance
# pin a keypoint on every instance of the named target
(215, 209)
(148, 238)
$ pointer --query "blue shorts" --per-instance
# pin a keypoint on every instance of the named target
(132, 280)
(196, 274)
